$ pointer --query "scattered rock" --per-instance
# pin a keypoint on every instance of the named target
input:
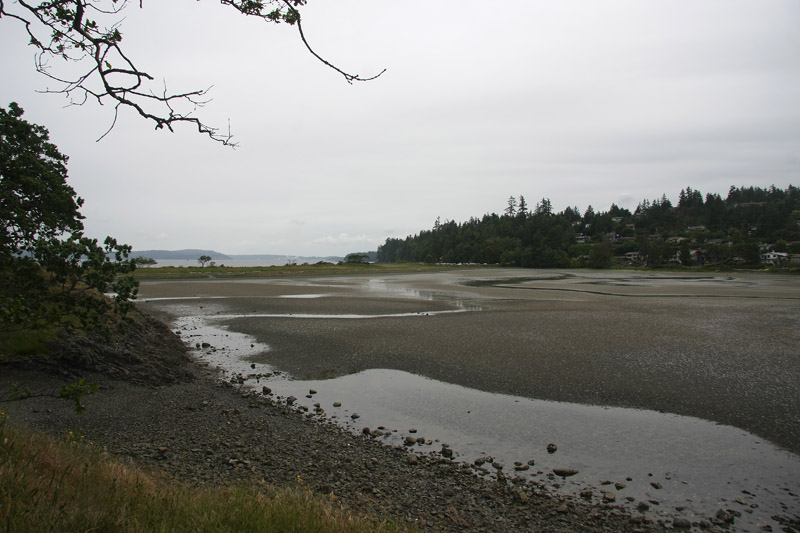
(723, 517)
(552, 448)
(681, 523)
(565, 472)
(609, 497)
(619, 485)
(656, 485)
(337, 404)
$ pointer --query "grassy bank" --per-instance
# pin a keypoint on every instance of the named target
(321, 269)
(67, 484)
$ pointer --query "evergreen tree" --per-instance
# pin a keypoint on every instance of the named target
(523, 206)
(511, 207)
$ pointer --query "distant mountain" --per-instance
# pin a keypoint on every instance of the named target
(188, 254)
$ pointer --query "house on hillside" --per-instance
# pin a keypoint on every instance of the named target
(633, 257)
(775, 258)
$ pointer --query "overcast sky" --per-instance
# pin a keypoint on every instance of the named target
(582, 102)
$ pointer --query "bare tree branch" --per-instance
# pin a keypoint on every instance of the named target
(68, 29)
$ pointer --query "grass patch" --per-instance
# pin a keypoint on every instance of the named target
(48, 484)
(25, 342)
(323, 269)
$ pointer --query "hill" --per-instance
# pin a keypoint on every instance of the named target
(187, 254)
(750, 226)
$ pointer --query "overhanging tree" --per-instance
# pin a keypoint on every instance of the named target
(87, 32)
(50, 273)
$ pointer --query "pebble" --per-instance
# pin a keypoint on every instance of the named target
(565, 472)
(681, 523)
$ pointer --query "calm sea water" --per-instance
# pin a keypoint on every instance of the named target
(240, 262)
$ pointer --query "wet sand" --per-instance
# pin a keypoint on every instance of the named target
(721, 347)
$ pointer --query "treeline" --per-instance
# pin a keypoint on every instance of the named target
(698, 230)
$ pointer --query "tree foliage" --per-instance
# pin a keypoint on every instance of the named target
(356, 258)
(721, 230)
(87, 33)
(51, 273)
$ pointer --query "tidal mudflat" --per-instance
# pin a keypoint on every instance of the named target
(674, 392)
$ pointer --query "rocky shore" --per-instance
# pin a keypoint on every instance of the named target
(160, 410)
(198, 429)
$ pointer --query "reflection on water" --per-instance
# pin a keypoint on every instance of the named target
(672, 464)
